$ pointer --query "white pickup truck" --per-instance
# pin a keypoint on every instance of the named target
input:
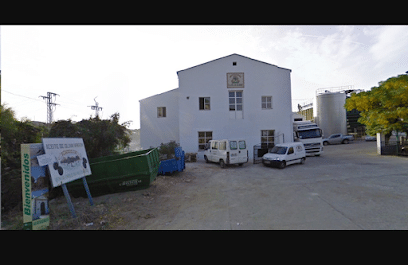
(338, 139)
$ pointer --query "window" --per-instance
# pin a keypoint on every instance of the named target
(267, 137)
(204, 103)
(203, 138)
(290, 151)
(235, 100)
(267, 102)
(242, 145)
(234, 63)
(214, 145)
(312, 133)
(223, 145)
(161, 112)
(233, 145)
(280, 150)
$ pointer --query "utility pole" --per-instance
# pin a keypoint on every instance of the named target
(50, 105)
(96, 108)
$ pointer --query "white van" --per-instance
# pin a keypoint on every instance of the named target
(285, 154)
(226, 152)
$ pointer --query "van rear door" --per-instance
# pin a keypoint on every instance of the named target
(242, 153)
(233, 152)
(222, 151)
(214, 151)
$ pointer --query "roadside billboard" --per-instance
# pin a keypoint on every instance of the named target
(66, 159)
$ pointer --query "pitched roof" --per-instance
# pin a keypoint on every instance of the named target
(233, 55)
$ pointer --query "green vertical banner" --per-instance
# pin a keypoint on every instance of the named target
(34, 188)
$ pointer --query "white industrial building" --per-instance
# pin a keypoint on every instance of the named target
(233, 97)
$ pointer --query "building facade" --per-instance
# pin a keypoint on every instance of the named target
(232, 97)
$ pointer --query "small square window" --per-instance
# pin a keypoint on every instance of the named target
(161, 112)
(204, 103)
(266, 102)
(234, 63)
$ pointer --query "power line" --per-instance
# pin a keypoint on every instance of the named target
(21, 95)
(50, 105)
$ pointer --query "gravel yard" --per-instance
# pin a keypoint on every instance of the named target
(348, 187)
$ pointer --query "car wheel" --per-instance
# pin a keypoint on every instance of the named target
(60, 171)
(222, 163)
(282, 164)
(302, 161)
(206, 159)
(325, 143)
(345, 141)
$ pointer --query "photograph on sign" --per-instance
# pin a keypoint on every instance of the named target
(68, 159)
(34, 188)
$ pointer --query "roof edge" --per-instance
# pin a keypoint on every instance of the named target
(171, 90)
(232, 55)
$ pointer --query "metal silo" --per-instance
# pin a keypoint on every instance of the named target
(331, 114)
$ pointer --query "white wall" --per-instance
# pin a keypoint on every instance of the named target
(154, 130)
(210, 80)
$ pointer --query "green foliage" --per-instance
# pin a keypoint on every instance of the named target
(385, 108)
(14, 133)
(101, 137)
(167, 149)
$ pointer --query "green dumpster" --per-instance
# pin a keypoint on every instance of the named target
(118, 173)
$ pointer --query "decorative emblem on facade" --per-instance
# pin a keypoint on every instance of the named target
(235, 80)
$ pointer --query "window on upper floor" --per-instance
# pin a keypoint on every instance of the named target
(161, 112)
(235, 100)
(204, 103)
(266, 102)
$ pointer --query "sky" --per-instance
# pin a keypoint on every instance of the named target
(122, 64)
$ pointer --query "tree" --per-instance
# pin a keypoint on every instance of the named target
(385, 108)
(167, 149)
(13, 133)
(101, 137)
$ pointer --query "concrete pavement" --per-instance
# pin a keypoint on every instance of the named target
(348, 187)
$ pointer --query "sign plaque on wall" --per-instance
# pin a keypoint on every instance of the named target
(235, 80)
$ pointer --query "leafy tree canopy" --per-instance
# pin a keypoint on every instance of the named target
(101, 137)
(385, 108)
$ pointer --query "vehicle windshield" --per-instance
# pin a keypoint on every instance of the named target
(280, 150)
(314, 133)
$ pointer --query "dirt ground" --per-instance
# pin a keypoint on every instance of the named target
(111, 211)
(348, 187)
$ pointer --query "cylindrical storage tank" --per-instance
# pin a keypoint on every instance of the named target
(331, 113)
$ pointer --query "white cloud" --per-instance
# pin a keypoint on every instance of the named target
(391, 44)
(123, 64)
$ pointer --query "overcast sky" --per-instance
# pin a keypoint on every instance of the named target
(122, 64)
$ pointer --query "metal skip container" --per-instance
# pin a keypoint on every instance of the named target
(175, 164)
(119, 173)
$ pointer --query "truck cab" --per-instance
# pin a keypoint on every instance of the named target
(310, 135)
(226, 152)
